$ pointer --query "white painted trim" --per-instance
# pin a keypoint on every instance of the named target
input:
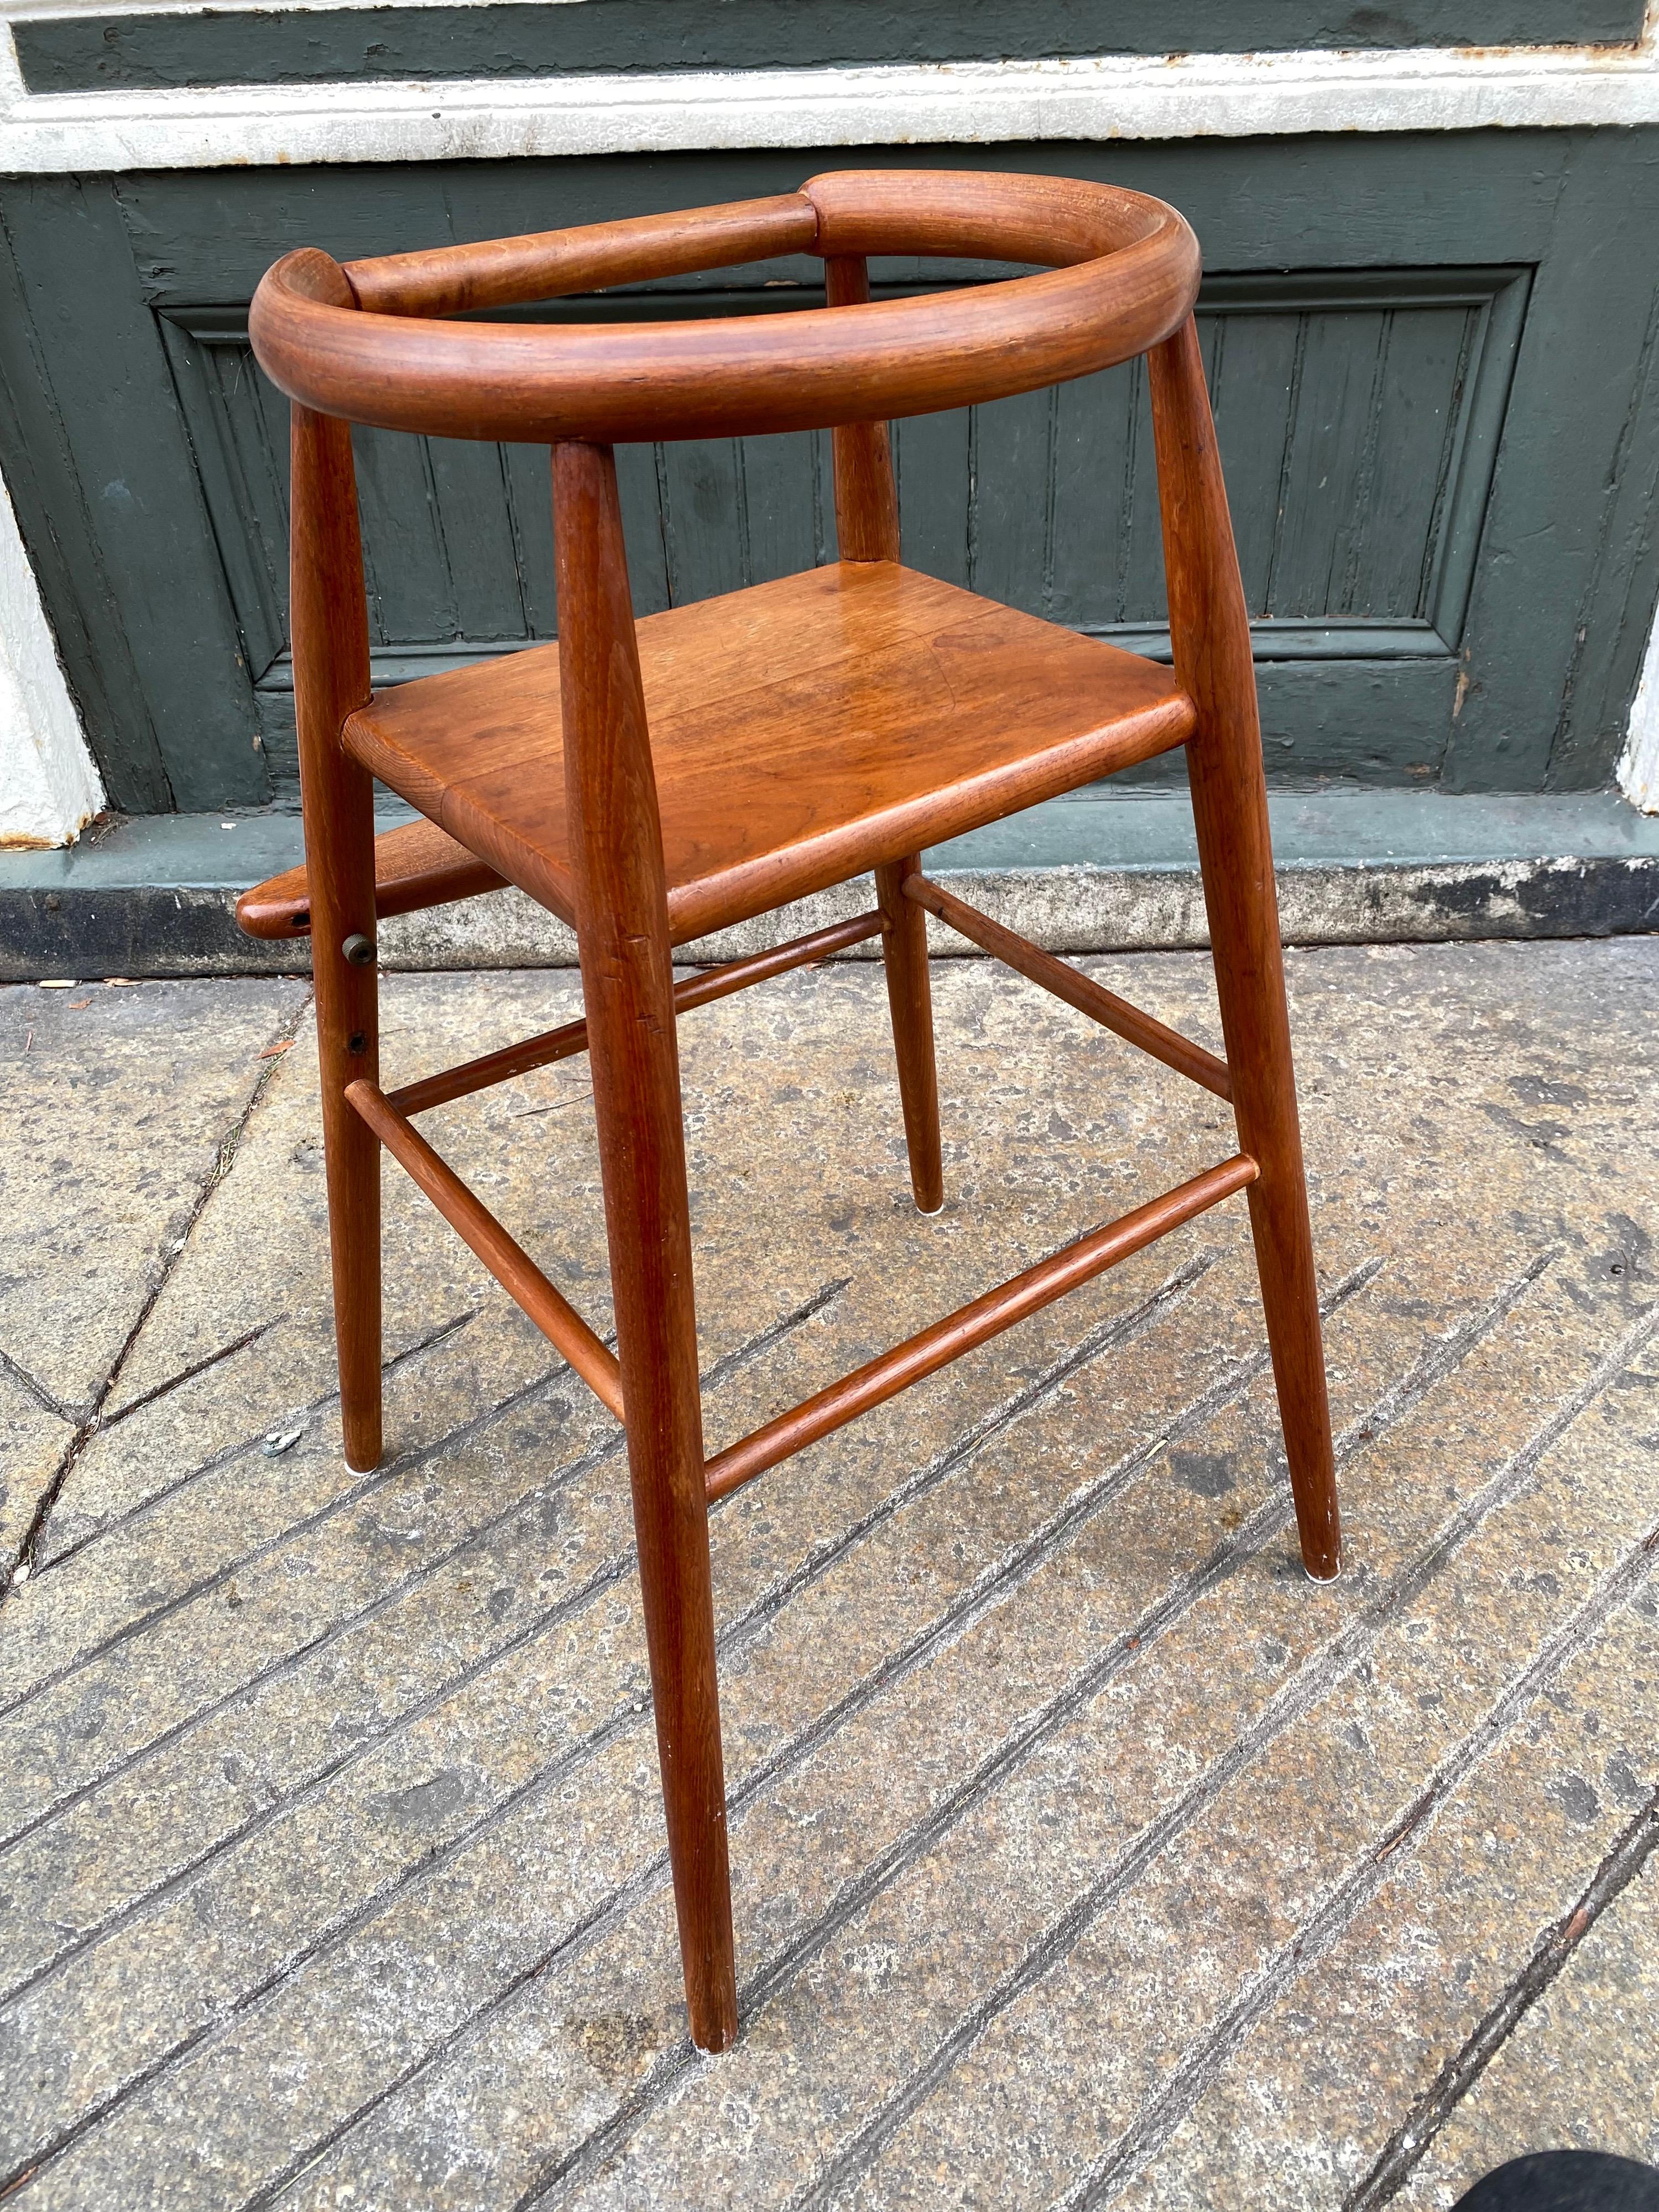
(1117, 96)
(1639, 771)
(49, 787)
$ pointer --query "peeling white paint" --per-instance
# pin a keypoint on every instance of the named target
(1103, 98)
(49, 787)
(1639, 771)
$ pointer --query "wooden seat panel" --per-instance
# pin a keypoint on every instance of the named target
(801, 731)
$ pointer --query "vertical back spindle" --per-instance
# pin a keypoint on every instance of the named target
(866, 499)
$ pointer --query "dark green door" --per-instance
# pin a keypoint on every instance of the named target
(1433, 359)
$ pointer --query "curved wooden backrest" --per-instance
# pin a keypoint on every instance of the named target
(368, 342)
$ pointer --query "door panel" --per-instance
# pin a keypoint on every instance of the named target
(1420, 414)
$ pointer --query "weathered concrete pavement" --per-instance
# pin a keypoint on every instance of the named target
(1084, 1852)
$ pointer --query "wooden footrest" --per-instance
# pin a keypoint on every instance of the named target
(987, 1316)
(506, 1259)
(416, 865)
(1136, 1028)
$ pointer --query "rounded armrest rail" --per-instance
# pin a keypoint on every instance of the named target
(369, 343)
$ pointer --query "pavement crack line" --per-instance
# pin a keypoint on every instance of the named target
(1202, 2061)
(1629, 1854)
(1318, 1675)
(1107, 1335)
(189, 1374)
(268, 1814)
(243, 1448)
(609, 1572)
(224, 1157)
(290, 1660)
(354, 1494)
(981, 1596)
(1110, 1335)
(1437, 1360)
(32, 1387)
(374, 1481)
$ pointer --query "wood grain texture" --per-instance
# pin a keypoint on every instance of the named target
(416, 865)
(867, 498)
(1121, 272)
(506, 1259)
(330, 677)
(801, 731)
(622, 927)
(449, 280)
(1087, 997)
(1211, 639)
(933, 1348)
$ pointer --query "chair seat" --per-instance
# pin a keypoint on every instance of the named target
(802, 731)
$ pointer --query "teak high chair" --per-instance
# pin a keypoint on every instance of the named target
(651, 784)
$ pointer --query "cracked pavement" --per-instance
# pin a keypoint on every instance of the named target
(1083, 1852)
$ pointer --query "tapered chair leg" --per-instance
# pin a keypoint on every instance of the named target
(331, 679)
(910, 1000)
(1238, 888)
(348, 1046)
(628, 985)
(1210, 631)
(648, 1221)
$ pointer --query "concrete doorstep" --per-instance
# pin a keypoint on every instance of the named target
(156, 895)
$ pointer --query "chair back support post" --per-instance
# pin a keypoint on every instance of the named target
(867, 498)
(1210, 630)
(622, 929)
(329, 633)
